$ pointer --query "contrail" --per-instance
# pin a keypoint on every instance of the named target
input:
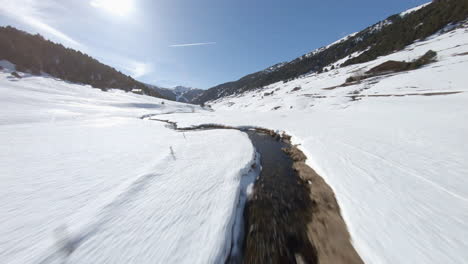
(193, 44)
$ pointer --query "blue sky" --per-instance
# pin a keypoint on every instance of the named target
(228, 38)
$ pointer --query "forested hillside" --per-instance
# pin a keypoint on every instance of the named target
(34, 54)
(385, 37)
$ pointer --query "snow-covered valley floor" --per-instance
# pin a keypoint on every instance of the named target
(82, 174)
(84, 179)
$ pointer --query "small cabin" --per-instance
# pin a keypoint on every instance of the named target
(137, 91)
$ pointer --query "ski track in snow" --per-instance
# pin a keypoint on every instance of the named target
(404, 169)
(104, 215)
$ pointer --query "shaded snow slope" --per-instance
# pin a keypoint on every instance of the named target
(393, 147)
(84, 180)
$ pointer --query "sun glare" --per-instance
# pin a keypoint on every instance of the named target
(115, 7)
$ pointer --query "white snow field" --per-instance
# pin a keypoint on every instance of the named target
(84, 180)
(394, 148)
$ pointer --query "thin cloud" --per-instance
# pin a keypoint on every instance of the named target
(139, 69)
(132, 67)
(31, 13)
(192, 44)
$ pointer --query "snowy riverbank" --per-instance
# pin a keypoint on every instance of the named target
(125, 189)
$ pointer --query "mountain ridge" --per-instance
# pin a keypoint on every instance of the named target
(382, 38)
(178, 93)
(34, 54)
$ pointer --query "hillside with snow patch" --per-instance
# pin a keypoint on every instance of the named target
(383, 38)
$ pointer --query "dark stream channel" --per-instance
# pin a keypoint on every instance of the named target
(277, 214)
(276, 217)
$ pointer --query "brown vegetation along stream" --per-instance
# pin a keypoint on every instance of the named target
(326, 229)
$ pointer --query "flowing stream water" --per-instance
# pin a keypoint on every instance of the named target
(273, 222)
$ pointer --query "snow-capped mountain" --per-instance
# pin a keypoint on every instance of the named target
(179, 93)
(384, 37)
(186, 94)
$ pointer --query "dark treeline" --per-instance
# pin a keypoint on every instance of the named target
(34, 54)
(383, 38)
(405, 30)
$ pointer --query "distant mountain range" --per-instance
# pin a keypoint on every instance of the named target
(382, 38)
(179, 93)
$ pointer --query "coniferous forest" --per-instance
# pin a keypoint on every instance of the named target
(36, 55)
